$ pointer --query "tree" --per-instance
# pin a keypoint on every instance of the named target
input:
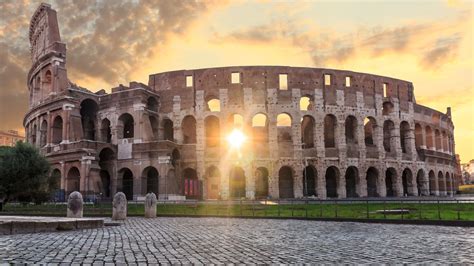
(23, 173)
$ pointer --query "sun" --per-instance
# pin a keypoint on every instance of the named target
(236, 138)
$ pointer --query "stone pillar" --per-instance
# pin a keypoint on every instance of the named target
(321, 181)
(178, 134)
(298, 181)
(362, 188)
(318, 113)
(381, 189)
(75, 205)
(341, 188)
(423, 137)
(119, 206)
(150, 205)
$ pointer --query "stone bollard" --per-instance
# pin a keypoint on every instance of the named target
(119, 211)
(74, 205)
(150, 205)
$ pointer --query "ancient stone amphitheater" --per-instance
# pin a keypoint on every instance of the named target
(309, 131)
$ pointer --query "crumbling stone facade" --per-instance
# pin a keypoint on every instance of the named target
(310, 131)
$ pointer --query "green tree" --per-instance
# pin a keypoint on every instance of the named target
(23, 173)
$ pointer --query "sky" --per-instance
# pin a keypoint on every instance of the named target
(110, 42)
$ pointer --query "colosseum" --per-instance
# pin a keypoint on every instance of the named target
(235, 132)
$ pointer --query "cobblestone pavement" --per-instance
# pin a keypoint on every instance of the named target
(215, 240)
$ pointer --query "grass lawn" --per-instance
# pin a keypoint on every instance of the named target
(425, 211)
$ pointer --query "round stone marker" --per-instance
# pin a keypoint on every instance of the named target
(119, 211)
(150, 205)
(74, 205)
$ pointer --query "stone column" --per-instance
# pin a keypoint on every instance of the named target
(178, 134)
(321, 181)
(341, 188)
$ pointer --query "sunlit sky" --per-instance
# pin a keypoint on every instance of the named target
(112, 42)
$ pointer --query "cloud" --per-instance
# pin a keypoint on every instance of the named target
(106, 40)
(444, 50)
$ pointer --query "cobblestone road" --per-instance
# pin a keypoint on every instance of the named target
(214, 240)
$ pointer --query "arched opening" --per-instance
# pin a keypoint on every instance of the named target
(154, 126)
(236, 121)
(370, 126)
(192, 187)
(89, 110)
(152, 104)
(420, 183)
(260, 134)
(214, 105)
(352, 180)
(445, 141)
(306, 103)
(57, 130)
(307, 132)
(391, 182)
(172, 184)
(405, 136)
(449, 184)
(441, 183)
(73, 180)
(388, 128)
(237, 182)
(285, 183)
(125, 126)
(309, 181)
(127, 182)
(105, 131)
(387, 108)
(284, 128)
(429, 137)
(168, 129)
(212, 128)
(261, 183)
(433, 183)
(175, 157)
(43, 133)
(55, 185)
(33, 135)
(418, 136)
(351, 130)
(332, 182)
(151, 177)
(330, 124)
(407, 181)
(106, 164)
(372, 177)
(437, 140)
(188, 127)
(213, 177)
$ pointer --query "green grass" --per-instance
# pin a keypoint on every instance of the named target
(424, 211)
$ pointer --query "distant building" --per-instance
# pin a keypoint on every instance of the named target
(468, 172)
(10, 137)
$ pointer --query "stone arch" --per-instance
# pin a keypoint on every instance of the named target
(150, 180)
(73, 180)
(57, 129)
(43, 133)
(418, 135)
(213, 178)
(352, 182)
(285, 183)
(126, 176)
(33, 134)
(372, 178)
(405, 137)
(307, 132)
(391, 182)
(175, 157)
(213, 104)
(106, 164)
(188, 127)
(433, 183)
(330, 127)
(370, 126)
(105, 131)
(152, 104)
(261, 182)
(310, 180)
(154, 126)
(125, 127)
(168, 129)
(237, 182)
(88, 112)
(407, 182)
(260, 131)
(388, 128)
(441, 183)
(192, 188)
(421, 183)
(429, 137)
(351, 129)
(284, 127)
(445, 141)
(306, 103)
(212, 129)
(332, 182)
(437, 140)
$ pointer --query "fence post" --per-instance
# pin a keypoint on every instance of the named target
(401, 207)
(458, 207)
(384, 211)
(367, 201)
(292, 208)
(265, 208)
(240, 207)
(253, 209)
(335, 209)
(419, 206)
(439, 213)
(320, 208)
(306, 208)
(278, 207)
